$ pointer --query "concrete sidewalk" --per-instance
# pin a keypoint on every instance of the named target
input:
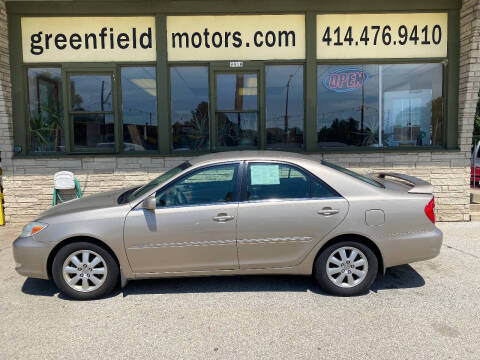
(426, 310)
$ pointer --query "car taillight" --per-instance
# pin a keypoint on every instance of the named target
(430, 210)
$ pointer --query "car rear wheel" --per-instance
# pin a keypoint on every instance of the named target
(84, 271)
(346, 268)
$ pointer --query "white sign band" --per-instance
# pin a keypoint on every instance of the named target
(386, 36)
(68, 39)
(236, 37)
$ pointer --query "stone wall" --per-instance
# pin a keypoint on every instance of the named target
(28, 188)
(6, 127)
(28, 183)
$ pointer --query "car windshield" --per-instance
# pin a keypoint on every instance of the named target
(158, 180)
(353, 174)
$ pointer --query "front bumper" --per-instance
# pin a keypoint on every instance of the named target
(31, 257)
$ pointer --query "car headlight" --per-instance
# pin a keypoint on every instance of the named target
(33, 228)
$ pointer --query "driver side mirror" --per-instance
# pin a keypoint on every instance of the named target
(150, 203)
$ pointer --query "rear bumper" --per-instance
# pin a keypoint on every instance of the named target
(411, 247)
(30, 257)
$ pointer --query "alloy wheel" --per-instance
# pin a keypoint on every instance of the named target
(84, 270)
(347, 267)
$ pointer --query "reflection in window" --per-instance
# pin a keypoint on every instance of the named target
(412, 104)
(284, 106)
(92, 115)
(237, 92)
(237, 129)
(45, 109)
(189, 107)
(91, 92)
(139, 108)
(93, 131)
(237, 104)
(212, 185)
(347, 112)
(380, 105)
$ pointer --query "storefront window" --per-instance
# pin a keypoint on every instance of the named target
(139, 108)
(237, 109)
(45, 109)
(412, 105)
(347, 112)
(189, 107)
(92, 111)
(284, 106)
(380, 105)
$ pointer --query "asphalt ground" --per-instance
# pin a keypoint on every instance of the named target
(426, 310)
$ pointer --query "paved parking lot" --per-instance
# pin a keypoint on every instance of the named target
(429, 310)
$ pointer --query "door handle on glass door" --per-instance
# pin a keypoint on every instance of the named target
(327, 211)
(223, 217)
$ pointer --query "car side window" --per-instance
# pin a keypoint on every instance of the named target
(322, 190)
(214, 184)
(276, 181)
(281, 181)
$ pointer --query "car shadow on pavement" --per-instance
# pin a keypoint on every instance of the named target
(399, 277)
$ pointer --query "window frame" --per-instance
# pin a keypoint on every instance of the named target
(70, 112)
(250, 67)
(305, 172)
(235, 195)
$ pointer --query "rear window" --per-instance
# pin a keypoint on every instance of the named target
(353, 174)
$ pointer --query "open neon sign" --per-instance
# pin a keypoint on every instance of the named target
(345, 79)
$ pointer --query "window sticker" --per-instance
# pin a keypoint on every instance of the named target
(264, 174)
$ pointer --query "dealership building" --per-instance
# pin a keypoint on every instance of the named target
(118, 92)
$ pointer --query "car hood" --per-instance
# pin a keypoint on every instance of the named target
(92, 202)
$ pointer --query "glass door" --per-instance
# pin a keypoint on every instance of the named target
(92, 111)
(237, 109)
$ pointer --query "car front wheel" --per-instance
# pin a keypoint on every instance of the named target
(84, 271)
(346, 268)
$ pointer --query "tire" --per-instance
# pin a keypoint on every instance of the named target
(100, 274)
(334, 283)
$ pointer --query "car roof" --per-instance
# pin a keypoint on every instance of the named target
(248, 155)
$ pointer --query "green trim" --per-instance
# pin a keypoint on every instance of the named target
(212, 104)
(19, 84)
(97, 70)
(163, 88)
(182, 154)
(452, 80)
(67, 126)
(310, 95)
(89, 7)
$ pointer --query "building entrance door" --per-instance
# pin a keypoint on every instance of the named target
(237, 109)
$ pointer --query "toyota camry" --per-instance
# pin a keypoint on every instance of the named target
(246, 212)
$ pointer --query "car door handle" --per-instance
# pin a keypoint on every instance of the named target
(222, 218)
(327, 211)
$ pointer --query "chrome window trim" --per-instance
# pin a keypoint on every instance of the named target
(291, 199)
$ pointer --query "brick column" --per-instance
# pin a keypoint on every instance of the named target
(6, 125)
(469, 71)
